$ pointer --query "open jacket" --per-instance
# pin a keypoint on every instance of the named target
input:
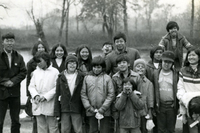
(181, 42)
(157, 91)
(97, 93)
(64, 101)
(16, 74)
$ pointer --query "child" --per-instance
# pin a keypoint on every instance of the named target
(128, 104)
(165, 90)
(42, 89)
(189, 85)
(107, 48)
(147, 92)
(97, 95)
(68, 105)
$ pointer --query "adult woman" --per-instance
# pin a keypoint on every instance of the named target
(84, 56)
(58, 55)
(189, 85)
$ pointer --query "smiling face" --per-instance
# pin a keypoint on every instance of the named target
(97, 69)
(166, 65)
(193, 58)
(123, 66)
(120, 44)
(71, 66)
(40, 48)
(157, 55)
(59, 52)
(140, 69)
(107, 48)
(84, 53)
(8, 44)
(173, 32)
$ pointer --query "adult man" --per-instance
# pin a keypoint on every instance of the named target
(120, 44)
(175, 42)
(12, 72)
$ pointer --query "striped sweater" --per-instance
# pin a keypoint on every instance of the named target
(188, 86)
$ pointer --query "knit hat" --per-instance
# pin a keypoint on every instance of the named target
(120, 35)
(154, 49)
(139, 61)
(8, 36)
(99, 60)
(71, 58)
(171, 25)
(168, 55)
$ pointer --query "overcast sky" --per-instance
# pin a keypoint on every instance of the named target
(16, 15)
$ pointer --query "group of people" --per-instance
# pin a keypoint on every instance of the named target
(116, 92)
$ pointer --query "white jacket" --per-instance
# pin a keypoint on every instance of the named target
(43, 83)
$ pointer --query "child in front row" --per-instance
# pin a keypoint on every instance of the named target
(97, 95)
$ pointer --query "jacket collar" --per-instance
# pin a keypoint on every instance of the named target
(179, 36)
(118, 52)
(131, 72)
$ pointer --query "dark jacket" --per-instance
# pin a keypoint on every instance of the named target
(16, 74)
(31, 66)
(157, 91)
(150, 70)
(181, 42)
(61, 67)
(128, 107)
(64, 101)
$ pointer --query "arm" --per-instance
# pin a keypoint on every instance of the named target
(162, 42)
(32, 87)
(109, 98)
(186, 44)
(30, 69)
(108, 65)
(121, 101)
(136, 101)
(57, 106)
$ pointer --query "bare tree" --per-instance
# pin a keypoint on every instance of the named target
(192, 20)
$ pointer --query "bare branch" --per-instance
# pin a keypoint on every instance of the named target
(5, 7)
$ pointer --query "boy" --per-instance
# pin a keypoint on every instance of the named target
(68, 105)
(147, 92)
(123, 64)
(97, 95)
(165, 90)
(107, 48)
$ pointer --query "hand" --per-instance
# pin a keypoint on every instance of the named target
(8, 83)
(42, 99)
(57, 118)
(37, 99)
(137, 92)
(127, 90)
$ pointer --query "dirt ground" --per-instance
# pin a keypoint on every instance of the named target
(26, 125)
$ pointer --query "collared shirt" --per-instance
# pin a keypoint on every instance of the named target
(9, 57)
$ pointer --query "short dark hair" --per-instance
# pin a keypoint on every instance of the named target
(99, 60)
(8, 35)
(44, 55)
(122, 58)
(53, 56)
(196, 50)
(109, 43)
(128, 79)
(120, 35)
(35, 47)
(194, 106)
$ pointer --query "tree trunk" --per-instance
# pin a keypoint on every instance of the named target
(125, 18)
(192, 20)
(67, 26)
(62, 21)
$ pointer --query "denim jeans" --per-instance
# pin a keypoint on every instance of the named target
(71, 119)
(47, 124)
(166, 120)
(14, 105)
(130, 130)
(104, 124)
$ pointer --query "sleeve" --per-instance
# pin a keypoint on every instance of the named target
(121, 101)
(136, 101)
(108, 64)
(57, 106)
(150, 97)
(84, 96)
(110, 97)
(137, 55)
(22, 72)
(186, 44)
(162, 42)
(180, 88)
(32, 87)
(28, 78)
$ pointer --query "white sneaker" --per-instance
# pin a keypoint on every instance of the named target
(23, 115)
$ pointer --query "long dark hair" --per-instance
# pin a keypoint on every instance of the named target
(52, 54)
(197, 51)
(35, 48)
(80, 60)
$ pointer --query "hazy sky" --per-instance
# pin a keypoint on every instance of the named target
(16, 15)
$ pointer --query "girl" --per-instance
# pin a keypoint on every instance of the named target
(42, 89)
(84, 58)
(189, 85)
(58, 55)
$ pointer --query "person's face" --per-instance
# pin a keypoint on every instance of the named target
(127, 87)
(8, 44)
(195, 116)
(173, 31)
(40, 48)
(166, 65)
(157, 55)
(123, 66)
(42, 64)
(193, 58)
(71, 66)
(107, 48)
(140, 69)
(84, 53)
(59, 52)
(120, 44)
(97, 69)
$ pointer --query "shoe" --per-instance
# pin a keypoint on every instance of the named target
(23, 115)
